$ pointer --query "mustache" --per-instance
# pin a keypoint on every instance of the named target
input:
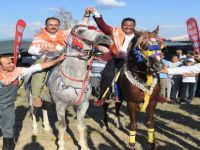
(53, 28)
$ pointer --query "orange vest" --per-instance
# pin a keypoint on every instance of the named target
(48, 41)
(118, 37)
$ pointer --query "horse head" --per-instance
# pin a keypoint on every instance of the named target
(146, 49)
(88, 40)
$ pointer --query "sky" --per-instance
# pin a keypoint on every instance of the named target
(170, 15)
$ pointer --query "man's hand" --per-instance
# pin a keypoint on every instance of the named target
(61, 57)
(37, 102)
(164, 71)
(53, 62)
(89, 10)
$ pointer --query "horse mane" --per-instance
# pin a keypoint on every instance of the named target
(133, 44)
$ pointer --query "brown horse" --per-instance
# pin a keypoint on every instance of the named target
(138, 82)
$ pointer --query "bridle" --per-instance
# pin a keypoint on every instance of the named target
(153, 50)
(75, 41)
(73, 33)
(89, 58)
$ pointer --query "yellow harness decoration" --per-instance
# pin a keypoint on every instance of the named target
(146, 94)
(132, 137)
(151, 135)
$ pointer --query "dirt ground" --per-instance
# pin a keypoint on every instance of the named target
(177, 127)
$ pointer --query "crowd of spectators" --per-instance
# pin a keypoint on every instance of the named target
(180, 88)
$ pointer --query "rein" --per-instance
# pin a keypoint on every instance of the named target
(84, 81)
(74, 41)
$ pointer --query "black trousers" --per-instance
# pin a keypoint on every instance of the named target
(108, 73)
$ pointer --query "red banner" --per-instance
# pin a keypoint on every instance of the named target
(20, 26)
(193, 33)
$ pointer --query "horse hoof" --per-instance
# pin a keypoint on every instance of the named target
(61, 145)
(131, 146)
(61, 148)
(83, 145)
(47, 128)
(152, 146)
(85, 148)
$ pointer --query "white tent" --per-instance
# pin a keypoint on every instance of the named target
(181, 38)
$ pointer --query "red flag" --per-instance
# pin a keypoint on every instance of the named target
(193, 34)
(20, 26)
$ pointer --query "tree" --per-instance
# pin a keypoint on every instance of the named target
(66, 19)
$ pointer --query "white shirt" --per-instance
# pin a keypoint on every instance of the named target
(19, 73)
(185, 69)
(126, 43)
(189, 80)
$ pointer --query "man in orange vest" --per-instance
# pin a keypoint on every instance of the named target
(45, 45)
(121, 37)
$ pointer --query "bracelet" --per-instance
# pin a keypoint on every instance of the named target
(87, 15)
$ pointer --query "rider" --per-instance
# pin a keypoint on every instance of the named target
(46, 43)
(121, 37)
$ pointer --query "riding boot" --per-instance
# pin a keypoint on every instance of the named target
(8, 144)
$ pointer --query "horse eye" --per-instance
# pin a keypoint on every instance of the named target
(144, 46)
(80, 31)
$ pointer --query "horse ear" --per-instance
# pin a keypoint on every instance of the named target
(156, 30)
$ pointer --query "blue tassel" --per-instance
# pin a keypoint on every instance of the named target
(138, 56)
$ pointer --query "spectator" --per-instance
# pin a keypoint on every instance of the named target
(180, 54)
(9, 75)
(174, 85)
(188, 84)
(164, 80)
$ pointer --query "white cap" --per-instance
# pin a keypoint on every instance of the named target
(191, 60)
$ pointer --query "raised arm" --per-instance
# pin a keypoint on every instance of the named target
(100, 22)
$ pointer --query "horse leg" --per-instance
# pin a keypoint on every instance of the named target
(33, 113)
(60, 109)
(45, 107)
(105, 118)
(150, 124)
(132, 107)
(117, 113)
(34, 121)
(81, 110)
(45, 120)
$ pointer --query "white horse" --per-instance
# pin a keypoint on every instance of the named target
(69, 82)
